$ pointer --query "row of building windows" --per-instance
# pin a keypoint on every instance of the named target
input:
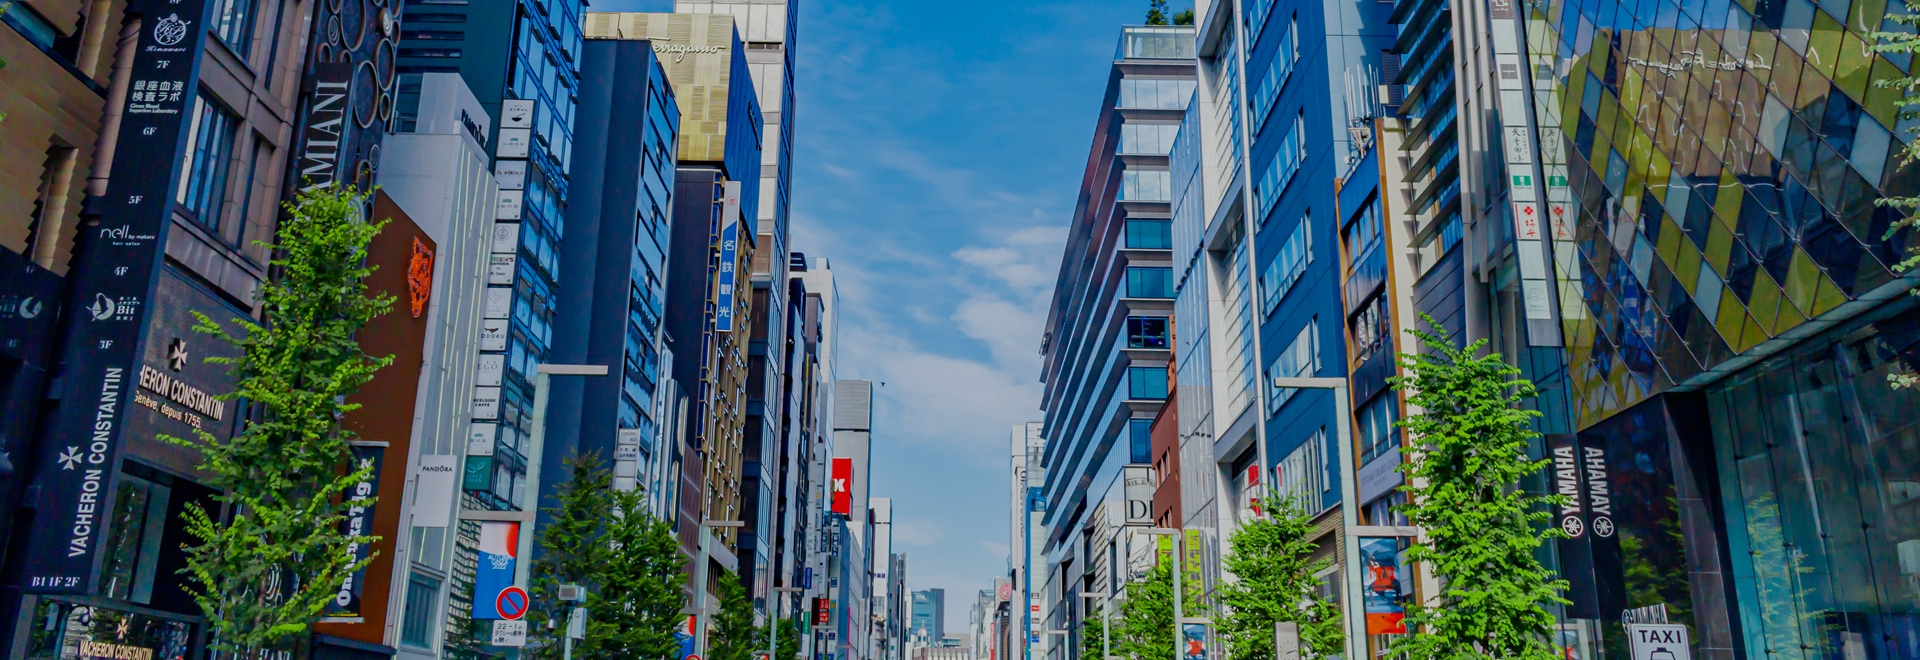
(1300, 359)
(1149, 282)
(1277, 73)
(1149, 234)
(1286, 162)
(1287, 268)
(1146, 186)
(1155, 94)
(1148, 139)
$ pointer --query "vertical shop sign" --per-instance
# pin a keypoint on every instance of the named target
(360, 508)
(1576, 551)
(115, 276)
(1518, 147)
(1193, 557)
(723, 284)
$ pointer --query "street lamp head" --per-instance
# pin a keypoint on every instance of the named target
(723, 523)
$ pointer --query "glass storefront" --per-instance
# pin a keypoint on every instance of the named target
(1819, 462)
(62, 630)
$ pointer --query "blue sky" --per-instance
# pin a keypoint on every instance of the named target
(939, 148)
(938, 155)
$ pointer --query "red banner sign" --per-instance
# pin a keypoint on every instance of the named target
(843, 486)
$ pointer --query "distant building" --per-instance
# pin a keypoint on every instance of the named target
(929, 623)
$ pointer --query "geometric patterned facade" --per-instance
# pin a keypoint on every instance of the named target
(1719, 163)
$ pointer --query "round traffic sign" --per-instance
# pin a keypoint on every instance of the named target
(512, 603)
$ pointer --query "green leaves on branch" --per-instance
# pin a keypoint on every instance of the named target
(1274, 581)
(1480, 530)
(269, 561)
(1143, 626)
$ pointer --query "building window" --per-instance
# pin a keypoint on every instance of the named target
(1299, 359)
(1370, 329)
(1149, 234)
(416, 623)
(1363, 232)
(1287, 268)
(1302, 474)
(209, 158)
(1139, 440)
(1148, 139)
(1146, 186)
(1149, 383)
(1277, 72)
(1147, 94)
(1376, 420)
(1146, 332)
(1145, 282)
(233, 24)
(1286, 162)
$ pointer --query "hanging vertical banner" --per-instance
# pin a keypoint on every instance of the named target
(723, 282)
(1383, 596)
(359, 522)
(493, 577)
(113, 278)
(1193, 558)
(1576, 551)
(843, 486)
(1193, 641)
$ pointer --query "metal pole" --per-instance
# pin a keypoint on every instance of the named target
(536, 445)
(1355, 610)
(700, 596)
(1350, 520)
(1179, 609)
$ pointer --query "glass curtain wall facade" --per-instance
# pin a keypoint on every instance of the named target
(1102, 368)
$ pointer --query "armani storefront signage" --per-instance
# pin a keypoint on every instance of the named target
(115, 274)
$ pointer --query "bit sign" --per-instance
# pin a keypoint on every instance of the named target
(1659, 641)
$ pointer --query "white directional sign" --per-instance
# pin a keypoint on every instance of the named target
(1658, 641)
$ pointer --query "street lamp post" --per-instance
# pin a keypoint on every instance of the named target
(1106, 624)
(773, 613)
(701, 613)
(1349, 506)
(536, 448)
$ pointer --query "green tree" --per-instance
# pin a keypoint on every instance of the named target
(1273, 582)
(1481, 531)
(1904, 42)
(637, 606)
(732, 635)
(1157, 12)
(1143, 626)
(573, 550)
(264, 566)
(1185, 17)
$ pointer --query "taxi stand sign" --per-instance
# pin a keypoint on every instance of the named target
(1659, 641)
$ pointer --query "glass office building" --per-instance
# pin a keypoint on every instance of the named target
(1731, 314)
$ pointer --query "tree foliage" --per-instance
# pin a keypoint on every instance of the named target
(265, 569)
(1143, 626)
(1904, 42)
(1157, 12)
(1274, 581)
(627, 560)
(1184, 17)
(1480, 530)
(733, 636)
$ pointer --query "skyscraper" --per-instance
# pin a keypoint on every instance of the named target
(613, 271)
(767, 28)
(929, 622)
(1108, 333)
